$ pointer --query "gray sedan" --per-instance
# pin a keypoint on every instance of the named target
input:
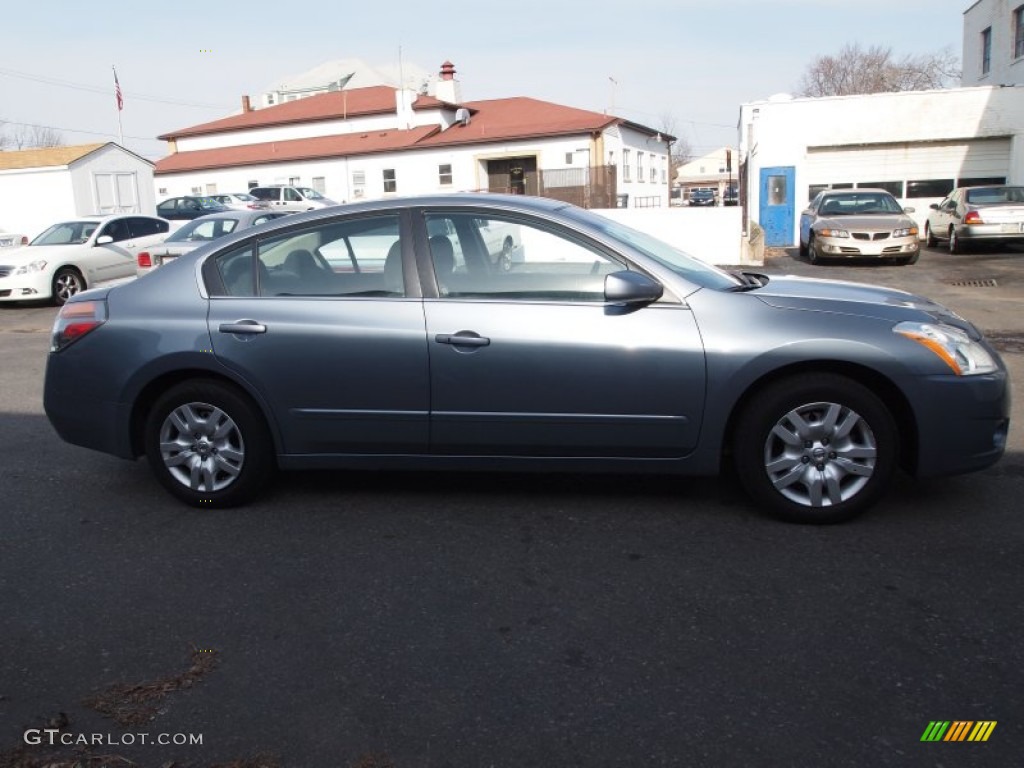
(974, 215)
(381, 335)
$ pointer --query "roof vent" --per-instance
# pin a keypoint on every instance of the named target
(462, 116)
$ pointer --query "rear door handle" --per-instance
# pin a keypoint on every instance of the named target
(462, 339)
(243, 326)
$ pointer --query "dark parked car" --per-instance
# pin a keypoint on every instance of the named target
(974, 215)
(364, 337)
(702, 197)
(188, 208)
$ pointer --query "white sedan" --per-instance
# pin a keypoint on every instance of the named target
(12, 240)
(73, 255)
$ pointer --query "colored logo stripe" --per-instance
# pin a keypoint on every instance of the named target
(958, 730)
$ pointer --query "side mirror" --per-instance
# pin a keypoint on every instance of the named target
(631, 288)
(104, 239)
(934, 206)
(908, 210)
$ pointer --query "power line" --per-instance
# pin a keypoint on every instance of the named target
(76, 130)
(104, 90)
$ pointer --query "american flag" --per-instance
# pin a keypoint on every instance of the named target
(117, 93)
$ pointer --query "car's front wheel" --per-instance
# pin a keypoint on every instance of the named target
(208, 444)
(817, 448)
(66, 283)
(930, 238)
(812, 250)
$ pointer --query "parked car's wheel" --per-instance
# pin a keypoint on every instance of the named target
(813, 256)
(930, 239)
(955, 245)
(66, 283)
(803, 250)
(208, 444)
(912, 259)
(817, 448)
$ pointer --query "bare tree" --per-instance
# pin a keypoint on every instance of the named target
(874, 70)
(680, 151)
(31, 137)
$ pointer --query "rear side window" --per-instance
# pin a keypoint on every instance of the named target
(144, 227)
(265, 193)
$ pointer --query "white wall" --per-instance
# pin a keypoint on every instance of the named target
(712, 235)
(31, 200)
(1004, 68)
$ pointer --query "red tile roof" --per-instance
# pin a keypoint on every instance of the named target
(319, 147)
(358, 102)
(520, 117)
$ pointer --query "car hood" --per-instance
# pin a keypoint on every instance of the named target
(804, 293)
(26, 254)
(875, 221)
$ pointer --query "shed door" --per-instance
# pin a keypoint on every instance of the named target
(116, 192)
(777, 206)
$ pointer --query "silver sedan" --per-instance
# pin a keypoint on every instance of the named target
(974, 215)
(382, 335)
(857, 223)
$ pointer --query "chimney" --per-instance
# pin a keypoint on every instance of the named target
(447, 88)
(246, 106)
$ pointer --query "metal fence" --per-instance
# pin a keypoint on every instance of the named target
(594, 187)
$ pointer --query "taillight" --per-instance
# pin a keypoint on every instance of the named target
(144, 259)
(75, 320)
(973, 218)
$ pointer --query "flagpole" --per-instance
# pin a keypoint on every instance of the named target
(118, 104)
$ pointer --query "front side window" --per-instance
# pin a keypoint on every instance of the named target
(292, 195)
(142, 226)
(512, 259)
(390, 183)
(117, 229)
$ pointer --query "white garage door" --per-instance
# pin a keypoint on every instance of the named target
(908, 163)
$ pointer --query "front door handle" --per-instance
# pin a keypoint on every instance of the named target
(243, 326)
(462, 339)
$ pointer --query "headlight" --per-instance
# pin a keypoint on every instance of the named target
(905, 232)
(953, 346)
(834, 233)
(35, 266)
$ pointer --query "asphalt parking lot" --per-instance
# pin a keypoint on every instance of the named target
(371, 619)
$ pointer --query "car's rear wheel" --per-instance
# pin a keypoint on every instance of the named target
(929, 238)
(955, 245)
(66, 283)
(208, 444)
(817, 448)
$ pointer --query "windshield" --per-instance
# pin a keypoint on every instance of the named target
(858, 204)
(66, 233)
(310, 194)
(680, 262)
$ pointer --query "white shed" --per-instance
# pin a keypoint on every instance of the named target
(41, 186)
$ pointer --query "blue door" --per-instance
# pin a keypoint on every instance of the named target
(777, 206)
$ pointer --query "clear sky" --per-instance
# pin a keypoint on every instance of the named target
(186, 62)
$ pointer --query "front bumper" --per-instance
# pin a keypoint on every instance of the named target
(27, 287)
(855, 247)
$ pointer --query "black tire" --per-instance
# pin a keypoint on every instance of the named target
(803, 250)
(930, 240)
(842, 451)
(66, 283)
(955, 246)
(222, 452)
(813, 257)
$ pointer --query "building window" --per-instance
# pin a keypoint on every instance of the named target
(197, 190)
(568, 158)
(294, 180)
(358, 183)
(1018, 32)
(986, 51)
(252, 183)
(929, 188)
(211, 189)
(270, 99)
(390, 185)
(654, 171)
(626, 168)
(162, 191)
(640, 166)
(319, 184)
(444, 175)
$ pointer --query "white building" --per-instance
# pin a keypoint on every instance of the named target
(377, 141)
(714, 171)
(993, 47)
(39, 187)
(919, 145)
